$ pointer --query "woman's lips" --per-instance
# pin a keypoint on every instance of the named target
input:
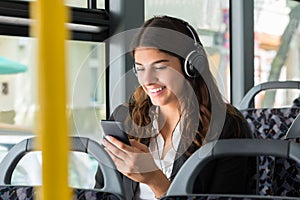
(156, 91)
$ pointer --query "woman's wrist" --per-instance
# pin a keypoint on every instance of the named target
(162, 195)
(159, 184)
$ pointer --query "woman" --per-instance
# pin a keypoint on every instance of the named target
(176, 109)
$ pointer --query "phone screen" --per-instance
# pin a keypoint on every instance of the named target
(114, 128)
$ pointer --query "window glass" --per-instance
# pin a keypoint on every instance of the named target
(85, 82)
(77, 3)
(277, 49)
(82, 169)
(211, 20)
(84, 3)
(80, 3)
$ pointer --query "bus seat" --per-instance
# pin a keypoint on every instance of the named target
(287, 171)
(112, 189)
(18, 192)
(269, 123)
(183, 183)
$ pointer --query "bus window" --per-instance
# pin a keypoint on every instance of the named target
(277, 55)
(82, 169)
(82, 3)
(86, 84)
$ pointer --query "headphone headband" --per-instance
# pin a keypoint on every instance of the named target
(192, 32)
(196, 58)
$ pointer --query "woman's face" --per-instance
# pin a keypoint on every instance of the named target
(160, 74)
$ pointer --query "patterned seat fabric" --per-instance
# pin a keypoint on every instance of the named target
(221, 197)
(16, 192)
(29, 193)
(287, 176)
(287, 171)
(272, 123)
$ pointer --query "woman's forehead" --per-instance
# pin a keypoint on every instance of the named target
(153, 56)
(165, 39)
(150, 52)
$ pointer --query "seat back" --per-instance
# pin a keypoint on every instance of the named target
(287, 171)
(17, 192)
(113, 187)
(269, 123)
(182, 185)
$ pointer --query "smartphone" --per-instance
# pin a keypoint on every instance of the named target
(115, 129)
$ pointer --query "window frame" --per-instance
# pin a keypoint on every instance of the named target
(86, 24)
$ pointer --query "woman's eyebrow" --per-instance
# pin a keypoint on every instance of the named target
(156, 62)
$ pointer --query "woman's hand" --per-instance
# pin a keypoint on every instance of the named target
(136, 162)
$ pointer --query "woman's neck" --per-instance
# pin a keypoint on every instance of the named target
(169, 117)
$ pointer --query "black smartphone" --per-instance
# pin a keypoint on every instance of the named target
(115, 129)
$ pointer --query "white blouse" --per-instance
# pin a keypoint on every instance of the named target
(166, 164)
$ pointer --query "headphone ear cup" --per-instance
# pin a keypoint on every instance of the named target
(191, 64)
(194, 62)
(189, 69)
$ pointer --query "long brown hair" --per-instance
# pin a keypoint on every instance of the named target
(198, 112)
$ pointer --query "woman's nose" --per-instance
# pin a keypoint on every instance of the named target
(147, 77)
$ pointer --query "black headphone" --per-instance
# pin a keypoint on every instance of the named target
(195, 58)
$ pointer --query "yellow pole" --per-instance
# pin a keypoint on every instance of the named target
(50, 29)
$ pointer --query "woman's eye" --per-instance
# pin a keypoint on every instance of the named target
(139, 68)
(161, 67)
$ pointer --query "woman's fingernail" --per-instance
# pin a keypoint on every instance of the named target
(107, 137)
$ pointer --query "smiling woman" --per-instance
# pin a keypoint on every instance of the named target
(176, 109)
(193, 63)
